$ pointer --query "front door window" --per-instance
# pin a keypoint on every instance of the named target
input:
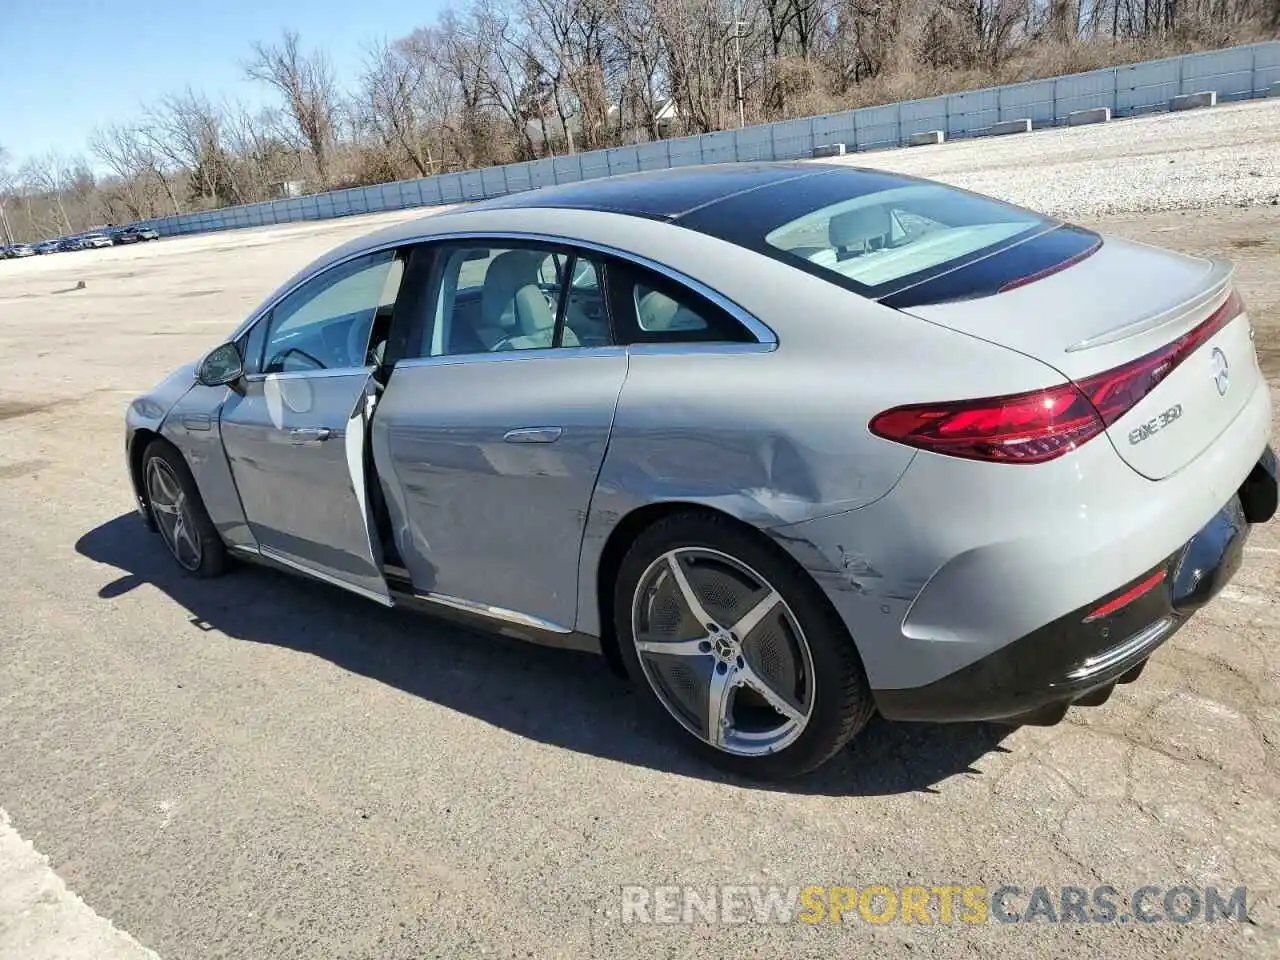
(338, 320)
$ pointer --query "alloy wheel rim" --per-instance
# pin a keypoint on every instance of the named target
(723, 651)
(172, 514)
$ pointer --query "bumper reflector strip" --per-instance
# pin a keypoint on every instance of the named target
(1126, 598)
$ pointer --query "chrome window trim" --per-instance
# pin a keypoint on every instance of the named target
(765, 336)
(698, 346)
(586, 353)
(543, 353)
(319, 374)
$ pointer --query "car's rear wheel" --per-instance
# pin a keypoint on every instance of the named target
(179, 512)
(736, 644)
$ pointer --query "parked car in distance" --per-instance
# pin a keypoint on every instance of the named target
(48, 246)
(69, 244)
(134, 234)
(789, 443)
(19, 250)
(94, 241)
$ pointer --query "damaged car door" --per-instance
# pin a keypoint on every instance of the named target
(491, 432)
(295, 431)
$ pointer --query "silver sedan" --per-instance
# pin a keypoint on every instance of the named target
(787, 443)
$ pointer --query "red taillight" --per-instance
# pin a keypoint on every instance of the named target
(1126, 598)
(1115, 392)
(1020, 428)
(1043, 424)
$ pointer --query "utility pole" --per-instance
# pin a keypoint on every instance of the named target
(737, 55)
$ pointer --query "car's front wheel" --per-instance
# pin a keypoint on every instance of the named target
(179, 512)
(736, 644)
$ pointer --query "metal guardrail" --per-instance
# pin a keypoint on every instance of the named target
(1237, 73)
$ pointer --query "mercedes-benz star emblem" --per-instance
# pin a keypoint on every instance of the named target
(1221, 371)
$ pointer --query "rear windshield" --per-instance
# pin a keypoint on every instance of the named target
(882, 239)
(892, 238)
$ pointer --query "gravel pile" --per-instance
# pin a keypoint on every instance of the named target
(1225, 156)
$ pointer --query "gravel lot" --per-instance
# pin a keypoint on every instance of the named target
(261, 767)
(1228, 156)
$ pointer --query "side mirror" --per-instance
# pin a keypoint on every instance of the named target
(222, 365)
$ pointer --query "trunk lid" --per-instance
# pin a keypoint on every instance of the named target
(1125, 302)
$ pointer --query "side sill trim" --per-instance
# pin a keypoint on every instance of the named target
(277, 557)
(492, 612)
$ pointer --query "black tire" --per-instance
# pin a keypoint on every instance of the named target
(211, 560)
(841, 702)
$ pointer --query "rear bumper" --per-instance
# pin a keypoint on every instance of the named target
(1079, 659)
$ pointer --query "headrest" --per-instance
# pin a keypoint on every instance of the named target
(508, 274)
(856, 227)
(657, 311)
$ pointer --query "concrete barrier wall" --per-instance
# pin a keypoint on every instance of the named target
(1237, 73)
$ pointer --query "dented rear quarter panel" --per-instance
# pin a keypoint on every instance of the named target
(778, 437)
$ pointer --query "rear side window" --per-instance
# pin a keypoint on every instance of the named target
(651, 308)
(657, 312)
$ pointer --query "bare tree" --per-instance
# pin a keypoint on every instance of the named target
(264, 158)
(392, 95)
(491, 37)
(571, 48)
(306, 83)
(129, 154)
(641, 53)
(185, 131)
(6, 183)
(49, 176)
(697, 43)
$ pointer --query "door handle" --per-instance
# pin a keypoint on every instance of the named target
(309, 434)
(533, 435)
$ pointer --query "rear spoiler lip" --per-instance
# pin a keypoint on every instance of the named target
(1218, 282)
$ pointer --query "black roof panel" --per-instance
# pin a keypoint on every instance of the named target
(660, 194)
(745, 219)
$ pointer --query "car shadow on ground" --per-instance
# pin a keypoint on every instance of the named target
(568, 699)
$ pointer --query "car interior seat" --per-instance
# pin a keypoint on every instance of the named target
(514, 311)
(658, 312)
(859, 231)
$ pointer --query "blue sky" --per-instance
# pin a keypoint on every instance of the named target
(67, 66)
